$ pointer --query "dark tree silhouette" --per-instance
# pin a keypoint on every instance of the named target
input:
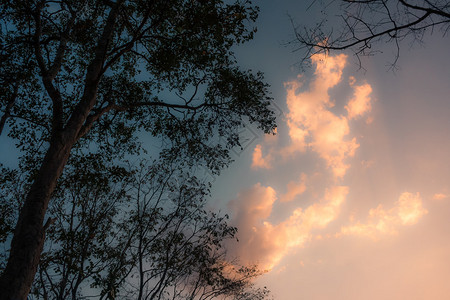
(365, 24)
(143, 233)
(93, 78)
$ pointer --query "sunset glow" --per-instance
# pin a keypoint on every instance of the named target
(332, 204)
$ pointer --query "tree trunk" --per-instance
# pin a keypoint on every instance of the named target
(29, 235)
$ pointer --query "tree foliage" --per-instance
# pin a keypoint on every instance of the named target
(97, 82)
(363, 25)
(146, 235)
(137, 233)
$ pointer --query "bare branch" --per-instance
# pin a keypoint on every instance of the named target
(365, 22)
(433, 10)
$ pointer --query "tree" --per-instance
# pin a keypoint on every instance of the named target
(148, 237)
(366, 23)
(97, 76)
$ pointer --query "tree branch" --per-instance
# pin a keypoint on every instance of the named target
(368, 21)
(48, 76)
(56, 67)
(426, 9)
(94, 72)
(43, 125)
(7, 112)
(367, 39)
(138, 33)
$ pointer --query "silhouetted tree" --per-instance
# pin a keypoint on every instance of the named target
(363, 24)
(146, 235)
(98, 77)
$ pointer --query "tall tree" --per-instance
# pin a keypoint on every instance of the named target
(99, 76)
(364, 24)
(146, 235)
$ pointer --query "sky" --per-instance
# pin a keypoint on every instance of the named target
(351, 198)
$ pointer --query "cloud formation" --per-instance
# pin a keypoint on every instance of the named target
(314, 126)
(265, 243)
(294, 189)
(407, 211)
(258, 161)
(360, 103)
(311, 123)
(440, 196)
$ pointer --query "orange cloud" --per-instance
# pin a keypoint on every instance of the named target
(311, 123)
(253, 204)
(361, 101)
(407, 211)
(312, 126)
(294, 188)
(409, 208)
(258, 160)
(440, 196)
(265, 243)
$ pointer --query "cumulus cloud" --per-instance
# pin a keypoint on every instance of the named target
(360, 103)
(294, 188)
(407, 211)
(310, 116)
(311, 123)
(265, 243)
(313, 126)
(253, 204)
(409, 208)
(258, 161)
